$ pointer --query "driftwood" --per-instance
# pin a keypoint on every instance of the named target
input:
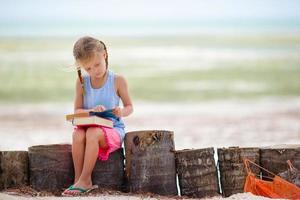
(275, 158)
(197, 172)
(232, 169)
(150, 162)
(110, 173)
(13, 168)
(51, 167)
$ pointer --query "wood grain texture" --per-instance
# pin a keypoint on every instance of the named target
(275, 158)
(13, 169)
(232, 169)
(197, 173)
(150, 162)
(110, 173)
(51, 167)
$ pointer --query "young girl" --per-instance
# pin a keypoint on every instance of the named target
(101, 89)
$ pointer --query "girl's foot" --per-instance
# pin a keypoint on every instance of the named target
(79, 189)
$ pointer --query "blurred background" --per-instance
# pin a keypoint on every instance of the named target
(217, 73)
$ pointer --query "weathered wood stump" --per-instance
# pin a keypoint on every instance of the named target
(110, 173)
(197, 172)
(13, 168)
(275, 158)
(232, 169)
(51, 167)
(150, 162)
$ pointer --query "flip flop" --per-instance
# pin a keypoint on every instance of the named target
(81, 190)
(63, 193)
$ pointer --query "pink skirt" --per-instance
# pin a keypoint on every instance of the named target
(113, 142)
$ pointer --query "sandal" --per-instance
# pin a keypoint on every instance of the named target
(81, 191)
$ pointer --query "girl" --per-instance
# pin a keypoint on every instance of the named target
(101, 89)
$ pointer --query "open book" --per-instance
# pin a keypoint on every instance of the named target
(92, 118)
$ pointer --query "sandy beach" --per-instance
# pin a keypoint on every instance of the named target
(215, 73)
(244, 196)
(199, 125)
(124, 196)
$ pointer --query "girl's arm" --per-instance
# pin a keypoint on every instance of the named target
(122, 91)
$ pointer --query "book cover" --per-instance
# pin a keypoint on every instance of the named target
(107, 114)
(92, 121)
(92, 118)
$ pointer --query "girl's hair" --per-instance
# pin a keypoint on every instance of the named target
(84, 49)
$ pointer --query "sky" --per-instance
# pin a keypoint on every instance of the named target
(141, 17)
(142, 10)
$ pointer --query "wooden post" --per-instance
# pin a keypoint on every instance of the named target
(232, 169)
(150, 162)
(51, 167)
(110, 173)
(13, 168)
(197, 173)
(275, 158)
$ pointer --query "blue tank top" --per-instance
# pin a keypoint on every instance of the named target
(106, 96)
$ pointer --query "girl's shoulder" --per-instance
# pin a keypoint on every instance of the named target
(118, 77)
(120, 81)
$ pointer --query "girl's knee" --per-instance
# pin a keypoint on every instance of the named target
(79, 135)
(94, 133)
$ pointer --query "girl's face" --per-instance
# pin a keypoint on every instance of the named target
(96, 65)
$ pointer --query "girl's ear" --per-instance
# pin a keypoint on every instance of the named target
(105, 55)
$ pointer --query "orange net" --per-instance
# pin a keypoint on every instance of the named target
(275, 188)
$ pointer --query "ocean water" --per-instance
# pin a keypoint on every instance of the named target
(63, 28)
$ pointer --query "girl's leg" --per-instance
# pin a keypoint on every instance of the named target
(78, 149)
(94, 138)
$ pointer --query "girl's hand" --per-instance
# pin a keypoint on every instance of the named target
(117, 111)
(99, 108)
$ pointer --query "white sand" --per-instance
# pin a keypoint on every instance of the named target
(205, 124)
(244, 196)
(219, 124)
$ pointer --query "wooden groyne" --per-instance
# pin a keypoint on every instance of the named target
(150, 164)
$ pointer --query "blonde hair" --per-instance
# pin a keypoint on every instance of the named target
(84, 49)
